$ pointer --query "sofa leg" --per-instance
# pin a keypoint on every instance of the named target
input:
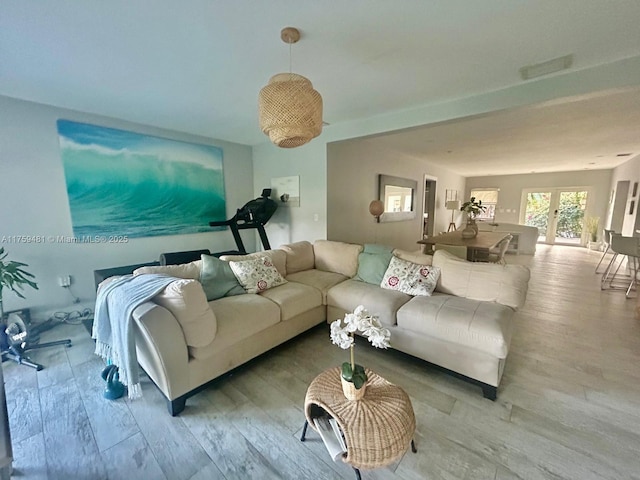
(176, 406)
(489, 391)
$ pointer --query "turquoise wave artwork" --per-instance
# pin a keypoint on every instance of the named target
(125, 183)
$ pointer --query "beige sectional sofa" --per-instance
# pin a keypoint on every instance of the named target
(465, 326)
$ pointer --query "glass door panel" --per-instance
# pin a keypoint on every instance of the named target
(570, 218)
(537, 212)
(558, 214)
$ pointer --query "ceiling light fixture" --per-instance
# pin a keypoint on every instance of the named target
(545, 68)
(290, 110)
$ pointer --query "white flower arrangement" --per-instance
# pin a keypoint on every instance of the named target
(369, 326)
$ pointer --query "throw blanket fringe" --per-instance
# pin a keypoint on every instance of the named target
(113, 326)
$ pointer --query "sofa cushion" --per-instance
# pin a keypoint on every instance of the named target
(299, 257)
(278, 257)
(505, 284)
(318, 279)
(186, 300)
(257, 274)
(410, 278)
(218, 280)
(383, 303)
(484, 326)
(373, 263)
(239, 317)
(293, 299)
(419, 258)
(184, 270)
(337, 257)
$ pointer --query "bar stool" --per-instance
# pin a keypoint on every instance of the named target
(606, 238)
(622, 246)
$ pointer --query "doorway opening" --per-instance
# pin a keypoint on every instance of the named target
(429, 211)
(559, 214)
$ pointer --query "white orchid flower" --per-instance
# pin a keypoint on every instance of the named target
(340, 336)
(379, 337)
(361, 311)
(351, 322)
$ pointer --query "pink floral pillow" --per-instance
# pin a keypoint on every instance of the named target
(410, 278)
(257, 274)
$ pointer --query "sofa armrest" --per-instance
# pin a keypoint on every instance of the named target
(162, 349)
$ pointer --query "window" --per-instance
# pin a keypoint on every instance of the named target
(489, 198)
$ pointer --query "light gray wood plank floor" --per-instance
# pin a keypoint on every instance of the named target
(568, 406)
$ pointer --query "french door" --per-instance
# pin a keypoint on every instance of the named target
(558, 213)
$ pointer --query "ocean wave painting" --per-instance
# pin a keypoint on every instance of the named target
(125, 183)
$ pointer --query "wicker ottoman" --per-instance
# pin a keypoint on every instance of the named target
(378, 429)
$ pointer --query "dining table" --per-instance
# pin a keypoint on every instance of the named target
(477, 246)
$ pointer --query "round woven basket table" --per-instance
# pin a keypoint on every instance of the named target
(378, 429)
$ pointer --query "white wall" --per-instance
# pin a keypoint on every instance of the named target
(308, 221)
(511, 186)
(628, 171)
(310, 161)
(33, 201)
(352, 182)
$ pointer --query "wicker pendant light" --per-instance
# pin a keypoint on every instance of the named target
(290, 110)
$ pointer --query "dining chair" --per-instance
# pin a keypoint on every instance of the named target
(622, 247)
(496, 255)
(606, 238)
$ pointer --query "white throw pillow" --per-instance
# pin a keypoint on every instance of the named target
(410, 278)
(257, 274)
(186, 300)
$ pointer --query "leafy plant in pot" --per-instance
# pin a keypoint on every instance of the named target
(472, 208)
(353, 376)
(14, 278)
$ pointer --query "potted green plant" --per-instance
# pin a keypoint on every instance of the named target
(353, 376)
(592, 224)
(472, 208)
(14, 278)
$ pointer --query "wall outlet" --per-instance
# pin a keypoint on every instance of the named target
(64, 280)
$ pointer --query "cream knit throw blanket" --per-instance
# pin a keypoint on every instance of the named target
(113, 325)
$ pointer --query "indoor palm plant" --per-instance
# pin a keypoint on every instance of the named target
(353, 376)
(14, 278)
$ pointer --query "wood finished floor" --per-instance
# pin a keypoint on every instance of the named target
(568, 406)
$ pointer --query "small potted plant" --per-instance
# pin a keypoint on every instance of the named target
(592, 224)
(354, 377)
(472, 208)
(14, 278)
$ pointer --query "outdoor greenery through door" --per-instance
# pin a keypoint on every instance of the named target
(558, 214)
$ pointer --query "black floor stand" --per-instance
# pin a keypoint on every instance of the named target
(17, 353)
(303, 437)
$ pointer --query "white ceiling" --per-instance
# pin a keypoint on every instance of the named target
(598, 131)
(197, 66)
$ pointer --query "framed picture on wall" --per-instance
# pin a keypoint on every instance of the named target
(129, 184)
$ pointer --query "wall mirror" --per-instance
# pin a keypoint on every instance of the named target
(399, 198)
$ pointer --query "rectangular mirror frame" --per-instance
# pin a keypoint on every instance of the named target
(389, 180)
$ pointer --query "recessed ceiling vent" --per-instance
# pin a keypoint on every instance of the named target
(545, 68)
(624, 154)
